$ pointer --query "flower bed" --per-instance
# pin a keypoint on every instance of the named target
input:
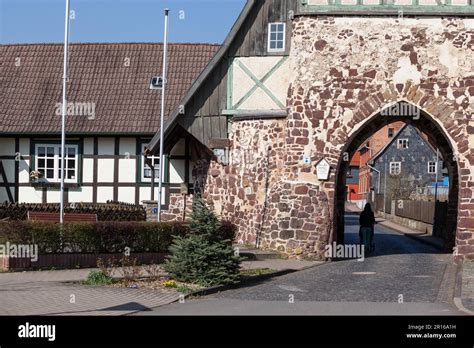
(71, 260)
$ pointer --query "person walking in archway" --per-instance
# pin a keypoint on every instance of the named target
(366, 232)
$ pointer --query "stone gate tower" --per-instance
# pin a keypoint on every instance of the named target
(300, 82)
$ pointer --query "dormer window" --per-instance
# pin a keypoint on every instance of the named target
(276, 37)
(156, 82)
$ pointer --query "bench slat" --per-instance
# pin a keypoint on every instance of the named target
(68, 217)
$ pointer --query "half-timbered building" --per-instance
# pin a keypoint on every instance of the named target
(113, 112)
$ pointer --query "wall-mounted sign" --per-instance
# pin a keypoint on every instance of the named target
(322, 169)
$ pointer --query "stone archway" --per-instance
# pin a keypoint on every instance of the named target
(425, 123)
(344, 72)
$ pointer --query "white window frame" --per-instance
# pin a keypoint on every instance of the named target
(57, 162)
(145, 166)
(430, 164)
(269, 40)
(400, 142)
(392, 165)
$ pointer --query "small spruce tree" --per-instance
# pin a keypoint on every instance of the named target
(204, 221)
(203, 257)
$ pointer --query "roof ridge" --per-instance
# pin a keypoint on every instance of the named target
(114, 44)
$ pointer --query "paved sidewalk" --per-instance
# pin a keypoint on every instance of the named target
(467, 285)
(422, 237)
(49, 293)
(55, 293)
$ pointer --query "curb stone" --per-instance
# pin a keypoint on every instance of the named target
(247, 281)
(458, 291)
(243, 283)
(413, 236)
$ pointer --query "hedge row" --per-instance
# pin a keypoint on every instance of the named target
(100, 237)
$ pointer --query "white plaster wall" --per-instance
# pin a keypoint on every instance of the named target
(126, 194)
(53, 196)
(9, 167)
(24, 168)
(4, 195)
(87, 170)
(128, 146)
(145, 194)
(82, 194)
(24, 174)
(177, 171)
(127, 170)
(278, 83)
(105, 170)
(30, 195)
(106, 146)
(25, 146)
(88, 146)
(105, 194)
(127, 166)
(7, 147)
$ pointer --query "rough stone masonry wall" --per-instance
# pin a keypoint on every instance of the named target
(239, 191)
(345, 70)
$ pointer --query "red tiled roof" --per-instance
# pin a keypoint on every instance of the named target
(355, 161)
(31, 85)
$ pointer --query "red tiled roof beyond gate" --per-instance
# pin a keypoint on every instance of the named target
(31, 85)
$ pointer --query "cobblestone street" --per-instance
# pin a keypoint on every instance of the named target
(403, 276)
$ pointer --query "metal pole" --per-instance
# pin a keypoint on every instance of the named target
(64, 109)
(385, 189)
(163, 90)
(435, 223)
(436, 184)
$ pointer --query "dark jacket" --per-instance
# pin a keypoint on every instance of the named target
(367, 219)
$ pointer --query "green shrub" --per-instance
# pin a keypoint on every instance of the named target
(206, 256)
(46, 235)
(101, 237)
(81, 237)
(98, 278)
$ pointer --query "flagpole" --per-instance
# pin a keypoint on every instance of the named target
(163, 90)
(64, 109)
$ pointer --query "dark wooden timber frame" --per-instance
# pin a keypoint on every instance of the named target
(45, 187)
(205, 103)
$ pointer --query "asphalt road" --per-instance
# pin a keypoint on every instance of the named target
(402, 277)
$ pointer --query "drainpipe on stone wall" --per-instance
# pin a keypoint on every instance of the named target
(264, 209)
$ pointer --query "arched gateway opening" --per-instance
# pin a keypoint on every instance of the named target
(425, 123)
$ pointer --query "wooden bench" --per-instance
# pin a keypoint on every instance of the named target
(68, 217)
